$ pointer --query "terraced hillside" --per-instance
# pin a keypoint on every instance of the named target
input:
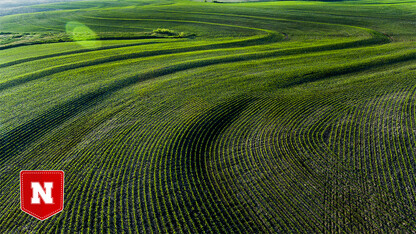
(180, 116)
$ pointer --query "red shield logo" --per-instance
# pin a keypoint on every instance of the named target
(42, 193)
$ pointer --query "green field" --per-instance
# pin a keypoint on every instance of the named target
(190, 117)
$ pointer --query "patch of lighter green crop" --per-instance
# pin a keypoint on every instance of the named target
(82, 34)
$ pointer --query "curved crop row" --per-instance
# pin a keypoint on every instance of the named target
(243, 135)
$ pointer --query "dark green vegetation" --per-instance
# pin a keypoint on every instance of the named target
(190, 117)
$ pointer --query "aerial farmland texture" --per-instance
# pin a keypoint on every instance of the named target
(211, 116)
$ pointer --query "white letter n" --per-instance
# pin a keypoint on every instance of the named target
(38, 190)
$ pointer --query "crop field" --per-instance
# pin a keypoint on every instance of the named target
(191, 117)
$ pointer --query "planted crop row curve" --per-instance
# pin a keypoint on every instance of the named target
(169, 149)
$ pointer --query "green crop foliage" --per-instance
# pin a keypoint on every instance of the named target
(204, 116)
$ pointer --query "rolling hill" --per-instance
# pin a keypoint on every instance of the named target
(191, 117)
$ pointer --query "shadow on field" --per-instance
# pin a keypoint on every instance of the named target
(269, 38)
(208, 127)
(20, 137)
(195, 146)
(20, 61)
(346, 69)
